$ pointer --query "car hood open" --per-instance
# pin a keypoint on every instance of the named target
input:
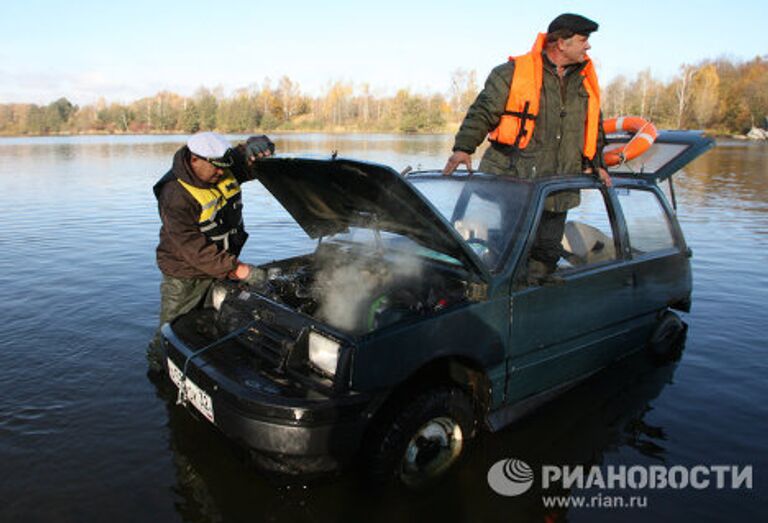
(328, 196)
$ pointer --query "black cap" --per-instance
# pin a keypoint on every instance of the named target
(576, 23)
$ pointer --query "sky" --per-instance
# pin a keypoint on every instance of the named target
(122, 51)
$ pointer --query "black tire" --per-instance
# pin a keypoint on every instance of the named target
(418, 444)
(666, 342)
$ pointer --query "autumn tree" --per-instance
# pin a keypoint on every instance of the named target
(646, 92)
(289, 96)
(463, 91)
(683, 92)
(716, 94)
(754, 89)
(704, 95)
(336, 103)
(615, 97)
(365, 102)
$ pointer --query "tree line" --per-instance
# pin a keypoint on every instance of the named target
(721, 95)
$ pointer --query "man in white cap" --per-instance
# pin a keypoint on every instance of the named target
(202, 231)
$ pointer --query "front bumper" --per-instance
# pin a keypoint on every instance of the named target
(291, 428)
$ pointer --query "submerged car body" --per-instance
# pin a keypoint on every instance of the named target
(415, 320)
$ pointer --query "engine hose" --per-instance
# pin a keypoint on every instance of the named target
(373, 309)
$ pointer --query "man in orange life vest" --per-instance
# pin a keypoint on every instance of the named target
(541, 114)
(202, 231)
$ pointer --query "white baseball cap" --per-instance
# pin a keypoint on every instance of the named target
(208, 145)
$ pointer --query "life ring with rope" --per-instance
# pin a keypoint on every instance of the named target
(644, 135)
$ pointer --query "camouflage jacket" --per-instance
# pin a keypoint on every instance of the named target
(558, 138)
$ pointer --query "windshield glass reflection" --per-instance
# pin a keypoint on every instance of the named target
(485, 211)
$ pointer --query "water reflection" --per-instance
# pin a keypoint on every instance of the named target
(734, 177)
(215, 481)
(390, 149)
(83, 438)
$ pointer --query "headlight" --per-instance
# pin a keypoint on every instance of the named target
(218, 293)
(323, 352)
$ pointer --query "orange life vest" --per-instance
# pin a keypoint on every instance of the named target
(517, 122)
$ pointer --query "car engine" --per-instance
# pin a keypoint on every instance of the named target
(357, 292)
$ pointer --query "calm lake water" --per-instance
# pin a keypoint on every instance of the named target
(85, 436)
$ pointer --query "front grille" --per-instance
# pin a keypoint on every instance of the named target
(272, 342)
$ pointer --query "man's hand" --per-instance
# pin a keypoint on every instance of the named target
(602, 174)
(456, 159)
(604, 177)
(247, 274)
(258, 147)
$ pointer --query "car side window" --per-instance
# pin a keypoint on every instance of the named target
(574, 231)
(587, 237)
(647, 223)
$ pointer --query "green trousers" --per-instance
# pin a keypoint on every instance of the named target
(177, 296)
(547, 247)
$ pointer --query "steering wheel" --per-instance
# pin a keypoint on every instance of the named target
(483, 249)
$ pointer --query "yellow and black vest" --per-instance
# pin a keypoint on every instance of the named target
(221, 213)
(221, 210)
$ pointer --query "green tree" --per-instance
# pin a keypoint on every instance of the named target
(58, 114)
(269, 122)
(35, 120)
(190, 118)
(206, 107)
(437, 108)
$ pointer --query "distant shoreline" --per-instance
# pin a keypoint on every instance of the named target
(254, 132)
(451, 132)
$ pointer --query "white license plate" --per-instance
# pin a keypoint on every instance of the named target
(194, 394)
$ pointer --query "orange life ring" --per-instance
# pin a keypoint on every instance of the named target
(644, 135)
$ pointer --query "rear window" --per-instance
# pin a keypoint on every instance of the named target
(649, 226)
(651, 161)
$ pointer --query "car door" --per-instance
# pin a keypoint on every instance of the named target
(573, 324)
(656, 249)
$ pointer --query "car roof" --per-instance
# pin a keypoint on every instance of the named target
(671, 151)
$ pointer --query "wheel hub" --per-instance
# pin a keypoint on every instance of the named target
(432, 449)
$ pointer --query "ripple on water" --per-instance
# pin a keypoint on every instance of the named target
(84, 436)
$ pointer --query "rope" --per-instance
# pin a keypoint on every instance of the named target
(182, 397)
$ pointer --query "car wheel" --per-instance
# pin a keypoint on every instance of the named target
(666, 342)
(421, 442)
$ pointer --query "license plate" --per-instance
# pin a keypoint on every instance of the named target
(194, 394)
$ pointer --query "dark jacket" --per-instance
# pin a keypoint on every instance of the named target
(184, 250)
(558, 138)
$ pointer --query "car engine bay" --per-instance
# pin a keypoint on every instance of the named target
(357, 291)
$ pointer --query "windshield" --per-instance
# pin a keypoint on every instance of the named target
(486, 212)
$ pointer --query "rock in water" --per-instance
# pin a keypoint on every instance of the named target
(757, 134)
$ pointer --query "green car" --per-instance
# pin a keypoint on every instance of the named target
(415, 321)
